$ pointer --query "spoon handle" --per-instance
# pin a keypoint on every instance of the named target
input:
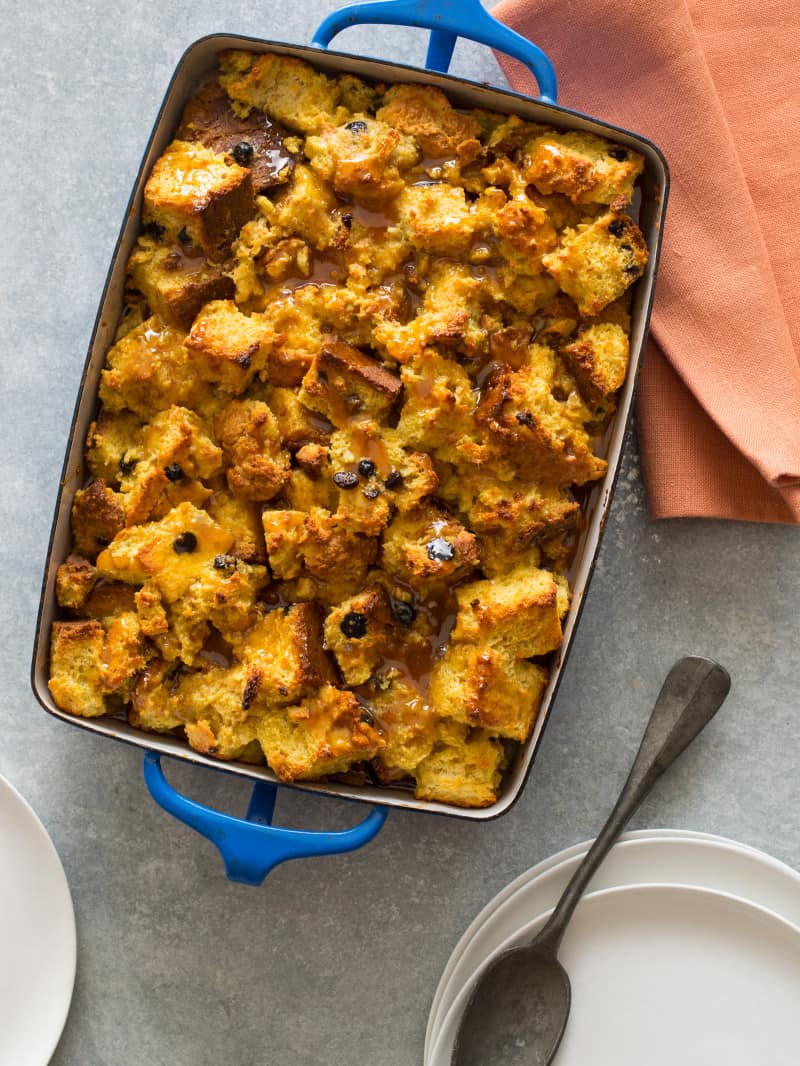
(692, 693)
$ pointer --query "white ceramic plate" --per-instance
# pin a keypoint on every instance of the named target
(37, 936)
(666, 974)
(644, 857)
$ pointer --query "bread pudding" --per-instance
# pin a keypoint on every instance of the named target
(369, 345)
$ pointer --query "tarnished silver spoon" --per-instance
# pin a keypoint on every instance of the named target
(517, 1012)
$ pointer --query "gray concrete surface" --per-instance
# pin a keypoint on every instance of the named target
(333, 960)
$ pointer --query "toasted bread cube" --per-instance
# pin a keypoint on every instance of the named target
(525, 233)
(598, 357)
(543, 432)
(243, 519)
(152, 612)
(206, 704)
(358, 95)
(179, 437)
(296, 335)
(108, 443)
(437, 218)
(426, 548)
(75, 580)
(212, 737)
(223, 595)
(124, 654)
(318, 545)
(343, 382)
(427, 115)
(312, 459)
(438, 409)
(176, 280)
(510, 517)
(407, 723)
(452, 316)
(362, 160)
(360, 632)
(210, 119)
(582, 166)
(288, 89)
(107, 601)
(165, 467)
(527, 293)
(153, 704)
(506, 133)
(284, 657)
(401, 477)
(257, 465)
(228, 347)
(325, 734)
(76, 658)
(519, 612)
(305, 491)
(297, 425)
(172, 552)
(210, 702)
(483, 686)
(193, 190)
(596, 263)
(306, 208)
(464, 768)
(362, 498)
(149, 370)
(97, 517)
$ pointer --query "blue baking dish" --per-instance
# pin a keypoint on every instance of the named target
(252, 846)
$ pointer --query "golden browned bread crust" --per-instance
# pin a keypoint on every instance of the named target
(368, 346)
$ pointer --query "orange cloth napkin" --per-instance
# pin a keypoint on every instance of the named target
(715, 86)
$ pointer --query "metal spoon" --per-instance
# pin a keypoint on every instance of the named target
(517, 1012)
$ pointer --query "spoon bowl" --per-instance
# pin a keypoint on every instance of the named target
(517, 1012)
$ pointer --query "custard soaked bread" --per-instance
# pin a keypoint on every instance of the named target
(369, 344)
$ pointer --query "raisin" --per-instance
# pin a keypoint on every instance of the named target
(525, 418)
(102, 541)
(127, 466)
(185, 543)
(371, 493)
(345, 480)
(225, 562)
(347, 221)
(440, 550)
(619, 154)
(153, 229)
(393, 479)
(184, 237)
(366, 467)
(616, 228)
(358, 127)
(632, 269)
(354, 624)
(243, 153)
(403, 612)
(250, 691)
(174, 472)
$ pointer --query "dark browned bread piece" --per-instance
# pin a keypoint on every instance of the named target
(256, 142)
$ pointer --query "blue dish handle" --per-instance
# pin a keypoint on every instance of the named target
(252, 847)
(449, 20)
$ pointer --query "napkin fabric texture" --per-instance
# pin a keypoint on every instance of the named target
(715, 86)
